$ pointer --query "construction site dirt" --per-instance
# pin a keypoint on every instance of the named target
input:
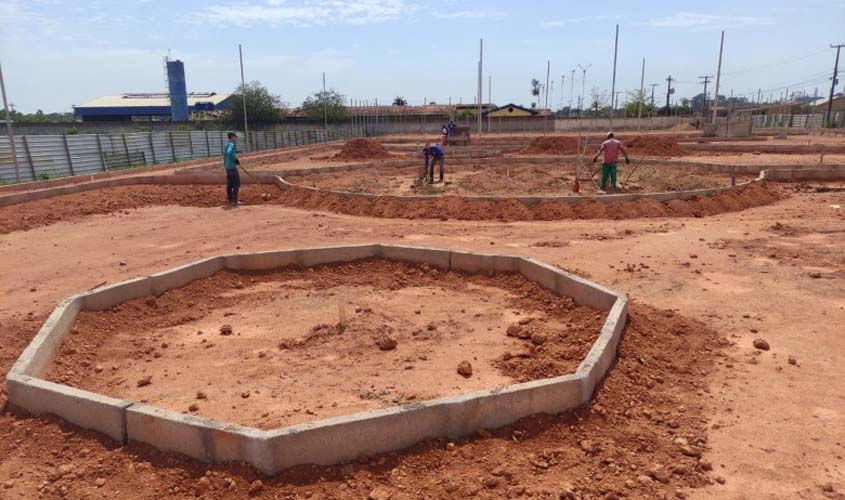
(510, 177)
(116, 200)
(307, 344)
(690, 409)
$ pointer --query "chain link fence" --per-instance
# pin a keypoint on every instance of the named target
(42, 157)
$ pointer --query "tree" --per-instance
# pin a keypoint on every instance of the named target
(330, 102)
(535, 89)
(400, 101)
(262, 107)
(632, 108)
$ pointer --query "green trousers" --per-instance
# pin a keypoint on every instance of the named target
(608, 169)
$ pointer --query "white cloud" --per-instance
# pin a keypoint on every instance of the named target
(308, 12)
(575, 20)
(700, 21)
(470, 14)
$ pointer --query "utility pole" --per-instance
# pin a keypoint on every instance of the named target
(571, 87)
(668, 93)
(243, 94)
(325, 104)
(641, 97)
(718, 77)
(9, 129)
(480, 69)
(613, 84)
(653, 85)
(706, 80)
(546, 113)
(833, 83)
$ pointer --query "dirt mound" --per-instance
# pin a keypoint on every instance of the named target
(552, 145)
(115, 200)
(511, 209)
(362, 149)
(655, 145)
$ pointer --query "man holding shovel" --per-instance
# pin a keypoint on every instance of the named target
(230, 164)
(611, 148)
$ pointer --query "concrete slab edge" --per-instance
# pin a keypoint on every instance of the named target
(341, 438)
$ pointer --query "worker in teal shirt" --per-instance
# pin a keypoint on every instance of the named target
(230, 164)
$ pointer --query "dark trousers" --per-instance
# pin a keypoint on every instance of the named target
(233, 183)
(432, 166)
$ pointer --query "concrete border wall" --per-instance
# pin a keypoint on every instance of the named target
(326, 441)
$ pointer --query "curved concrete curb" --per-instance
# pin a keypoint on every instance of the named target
(330, 440)
(191, 176)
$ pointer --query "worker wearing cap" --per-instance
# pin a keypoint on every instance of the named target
(611, 148)
(437, 156)
(230, 165)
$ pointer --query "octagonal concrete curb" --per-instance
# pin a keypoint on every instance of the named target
(331, 440)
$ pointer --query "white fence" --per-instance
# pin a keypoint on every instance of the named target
(804, 121)
(43, 157)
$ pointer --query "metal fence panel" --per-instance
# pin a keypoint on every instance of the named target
(47, 156)
(163, 150)
(7, 166)
(85, 154)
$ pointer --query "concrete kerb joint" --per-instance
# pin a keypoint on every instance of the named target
(327, 441)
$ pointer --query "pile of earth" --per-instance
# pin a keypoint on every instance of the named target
(559, 145)
(362, 149)
(655, 145)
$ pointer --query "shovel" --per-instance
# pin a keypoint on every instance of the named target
(264, 195)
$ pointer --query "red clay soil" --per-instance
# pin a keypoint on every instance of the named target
(641, 437)
(509, 328)
(362, 149)
(70, 207)
(552, 145)
(511, 209)
(114, 200)
(655, 146)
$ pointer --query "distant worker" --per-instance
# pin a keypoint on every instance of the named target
(610, 148)
(444, 135)
(427, 155)
(230, 164)
(453, 127)
(437, 156)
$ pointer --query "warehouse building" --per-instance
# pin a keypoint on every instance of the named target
(148, 107)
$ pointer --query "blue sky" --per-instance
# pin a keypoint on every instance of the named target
(59, 53)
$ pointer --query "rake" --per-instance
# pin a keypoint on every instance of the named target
(264, 195)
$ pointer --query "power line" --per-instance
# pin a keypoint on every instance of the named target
(774, 63)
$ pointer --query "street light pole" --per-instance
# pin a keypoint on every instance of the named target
(613, 84)
(583, 87)
(571, 87)
(243, 94)
(718, 77)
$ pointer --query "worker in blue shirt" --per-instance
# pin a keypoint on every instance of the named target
(230, 165)
(437, 156)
